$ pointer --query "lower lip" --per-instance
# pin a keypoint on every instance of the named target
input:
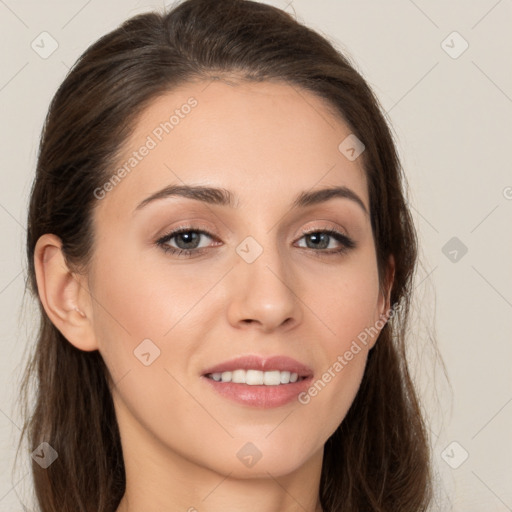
(264, 397)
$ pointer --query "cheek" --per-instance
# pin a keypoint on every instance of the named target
(134, 301)
(346, 303)
(348, 309)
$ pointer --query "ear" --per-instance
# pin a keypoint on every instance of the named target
(64, 294)
(385, 295)
(384, 302)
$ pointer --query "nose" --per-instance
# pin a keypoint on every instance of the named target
(263, 294)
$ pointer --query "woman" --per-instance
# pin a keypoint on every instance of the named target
(220, 245)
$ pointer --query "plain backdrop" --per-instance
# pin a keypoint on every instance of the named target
(443, 73)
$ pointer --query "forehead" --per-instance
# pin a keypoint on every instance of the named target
(262, 140)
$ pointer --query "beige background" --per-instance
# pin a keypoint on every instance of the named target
(452, 116)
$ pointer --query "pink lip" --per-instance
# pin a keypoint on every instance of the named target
(264, 397)
(281, 363)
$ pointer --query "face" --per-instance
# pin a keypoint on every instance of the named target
(288, 286)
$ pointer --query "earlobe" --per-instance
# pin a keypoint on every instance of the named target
(64, 298)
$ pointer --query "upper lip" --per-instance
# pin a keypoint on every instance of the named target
(265, 364)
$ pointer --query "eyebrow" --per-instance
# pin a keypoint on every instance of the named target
(223, 197)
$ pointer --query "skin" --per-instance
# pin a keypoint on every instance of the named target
(265, 142)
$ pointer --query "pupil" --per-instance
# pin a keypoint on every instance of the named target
(189, 238)
(316, 239)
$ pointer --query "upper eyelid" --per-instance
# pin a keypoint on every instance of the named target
(207, 231)
(176, 231)
(204, 231)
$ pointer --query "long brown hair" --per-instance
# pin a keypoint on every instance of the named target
(378, 458)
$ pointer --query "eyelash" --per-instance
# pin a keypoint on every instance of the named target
(347, 243)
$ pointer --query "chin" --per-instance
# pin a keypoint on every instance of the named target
(263, 458)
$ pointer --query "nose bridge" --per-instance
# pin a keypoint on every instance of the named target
(263, 285)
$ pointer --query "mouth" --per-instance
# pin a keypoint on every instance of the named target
(259, 382)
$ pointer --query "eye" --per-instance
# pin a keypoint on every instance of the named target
(324, 241)
(184, 241)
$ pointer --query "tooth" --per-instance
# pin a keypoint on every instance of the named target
(256, 377)
(253, 377)
(238, 376)
(226, 376)
(272, 378)
(285, 377)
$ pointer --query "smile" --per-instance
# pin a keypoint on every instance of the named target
(256, 377)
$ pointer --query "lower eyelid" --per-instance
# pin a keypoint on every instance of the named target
(171, 236)
(337, 235)
(345, 241)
